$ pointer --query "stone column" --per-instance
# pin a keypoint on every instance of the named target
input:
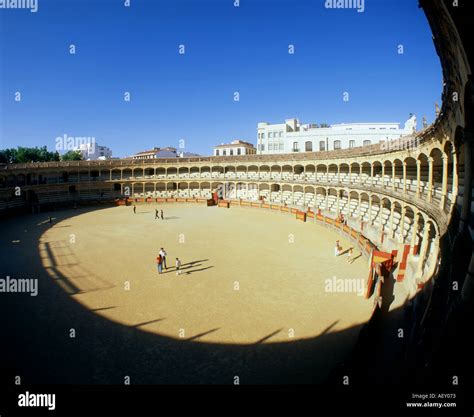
(455, 179)
(424, 248)
(444, 187)
(383, 175)
(370, 209)
(402, 225)
(380, 214)
(415, 230)
(430, 179)
(418, 178)
(337, 203)
(404, 177)
(371, 174)
(391, 219)
(393, 176)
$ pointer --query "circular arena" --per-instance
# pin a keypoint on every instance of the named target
(246, 277)
(260, 294)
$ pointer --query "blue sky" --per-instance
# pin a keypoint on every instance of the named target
(228, 49)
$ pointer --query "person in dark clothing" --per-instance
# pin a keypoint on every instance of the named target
(162, 218)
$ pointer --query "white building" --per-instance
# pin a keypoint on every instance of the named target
(292, 136)
(167, 152)
(236, 147)
(91, 151)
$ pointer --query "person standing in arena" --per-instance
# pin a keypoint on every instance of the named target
(178, 266)
(163, 256)
(156, 214)
(134, 209)
(162, 218)
(159, 262)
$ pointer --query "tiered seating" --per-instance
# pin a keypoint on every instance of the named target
(242, 194)
(298, 198)
(206, 193)
(230, 175)
(310, 176)
(286, 197)
(309, 199)
(264, 193)
(252, 175)
(252, 194)
(275, 196)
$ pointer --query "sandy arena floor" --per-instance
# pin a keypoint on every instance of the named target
(280, 266)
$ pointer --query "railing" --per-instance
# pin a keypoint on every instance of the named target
(370, 150)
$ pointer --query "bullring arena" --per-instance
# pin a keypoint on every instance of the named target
(255, 266)
(252, 298)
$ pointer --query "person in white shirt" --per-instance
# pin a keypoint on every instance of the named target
(178, 266)
(163, 255)
(337, 249)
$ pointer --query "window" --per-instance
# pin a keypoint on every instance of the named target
(270, 146)
(296, 147)
(352, 143)
(217, 152)
(281, 146)
(367, 142)
(239, 152)
(270, 135)
(223, 152)
(263, 135)
(281, 133)
(231, 152)
(322, 145)
(337, 145)
(308, 146)
(263, 147)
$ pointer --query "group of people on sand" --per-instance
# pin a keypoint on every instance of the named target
(349, 252)
(158, 213)
(161, 262)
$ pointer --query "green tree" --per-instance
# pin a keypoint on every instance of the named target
(72, 156)
(25, 155)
